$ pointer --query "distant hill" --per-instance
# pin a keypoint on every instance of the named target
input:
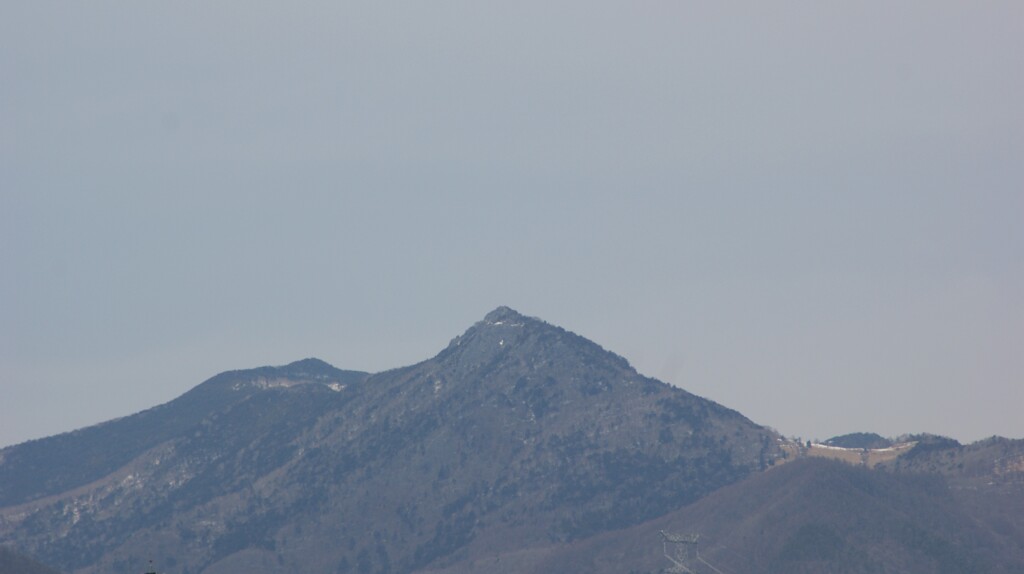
(518, 434)
(808, 516)
(859, 440)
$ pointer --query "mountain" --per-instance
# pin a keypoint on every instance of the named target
(49, 466)
(518, 434)
(866, 440)
(12, 562)
(985, 465)
(808, 516)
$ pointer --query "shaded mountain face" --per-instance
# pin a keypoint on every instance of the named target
(519, 433)
(808, 516)
(12, 562)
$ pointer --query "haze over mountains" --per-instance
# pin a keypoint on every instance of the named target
(519, 447)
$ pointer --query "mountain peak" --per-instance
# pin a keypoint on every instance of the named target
(311, 365)
(523, 340)
(504, 315)
(495, 333)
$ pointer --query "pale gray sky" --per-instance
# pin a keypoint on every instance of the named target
(810, 212)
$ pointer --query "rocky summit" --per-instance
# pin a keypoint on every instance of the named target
(517, 434)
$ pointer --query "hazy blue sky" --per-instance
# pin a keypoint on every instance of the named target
(811, 212)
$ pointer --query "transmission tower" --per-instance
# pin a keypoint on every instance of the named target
(681, 550)
(676, 548)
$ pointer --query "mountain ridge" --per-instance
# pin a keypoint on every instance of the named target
(89, 448)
